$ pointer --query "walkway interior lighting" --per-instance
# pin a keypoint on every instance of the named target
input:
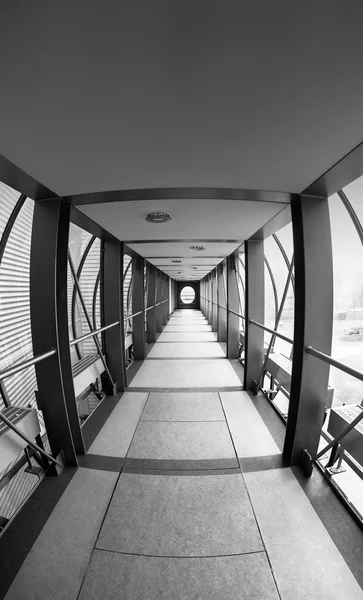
(158, 217)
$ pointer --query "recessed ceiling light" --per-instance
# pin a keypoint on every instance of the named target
(158, 217)
(198, 248)
(176, 260)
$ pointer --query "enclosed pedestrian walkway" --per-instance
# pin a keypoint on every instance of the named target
(183, 494)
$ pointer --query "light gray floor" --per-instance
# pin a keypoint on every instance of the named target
(161, 515)
(187, 350)
(187, 336)
(186, 373)
(112, 576)
(115, 437)
(304, 558)
(56, 564)
(179, 406)
(209, 535)
(182, 441)
(250, 435)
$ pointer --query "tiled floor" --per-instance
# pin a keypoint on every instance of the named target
(202, 506)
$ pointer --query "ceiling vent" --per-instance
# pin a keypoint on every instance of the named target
(158, 217)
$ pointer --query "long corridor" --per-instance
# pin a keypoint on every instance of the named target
(183, 495)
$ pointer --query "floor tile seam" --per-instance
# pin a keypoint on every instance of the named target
(182, 421)
(152, 472)
(179, 358)
(188, 557)
(109, 503)
(252, 507)
(191, 390)
(189, 358)
(187, 342)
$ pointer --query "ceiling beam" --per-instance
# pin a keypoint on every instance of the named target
(16, 178)
(180, 193)
(346, 170)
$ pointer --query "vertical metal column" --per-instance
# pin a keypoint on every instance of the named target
(49, 319)
(164, 306)
(232, 304)
(312, 325)
(215, 301)
(255, 309)
(150, 315)
(222, 301)
(113, 310)
(158, 297)
(138, 305)
(210, 305)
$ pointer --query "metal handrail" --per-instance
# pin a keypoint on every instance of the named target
(27, 363)
(29, 441)
(279, 335)
(134, 315)
(236, 313)
(335, 363)
(93, 333)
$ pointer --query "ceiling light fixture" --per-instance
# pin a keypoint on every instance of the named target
(198, 248)
(158, 217)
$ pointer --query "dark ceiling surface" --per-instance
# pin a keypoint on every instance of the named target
(256, 94)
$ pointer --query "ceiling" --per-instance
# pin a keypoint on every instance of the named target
(219, 226)
(135, 95)
(253, 94)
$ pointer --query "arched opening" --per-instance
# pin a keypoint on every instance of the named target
(187, 295)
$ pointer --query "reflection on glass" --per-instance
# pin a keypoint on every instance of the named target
(187, 295)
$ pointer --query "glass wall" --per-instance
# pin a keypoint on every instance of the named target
(348, 296)
(15, 338)
(85, 255)
(128, 287)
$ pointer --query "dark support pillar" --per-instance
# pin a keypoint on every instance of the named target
(113, 310)
(158, 298)
(215, 301)
(312, 325)
(164, 306)
(138, 304)
(222, 302)
(209, 295)
(150, 315)
(232, 304)
(49, 319)
(255, 309)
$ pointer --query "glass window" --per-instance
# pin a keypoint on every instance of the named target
(348, 303)
(278, 255)
(187, 295)
(8, 199)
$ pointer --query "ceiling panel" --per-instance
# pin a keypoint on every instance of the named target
(182, 249)
(257, 95)
(191, 219)
(188, 260)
